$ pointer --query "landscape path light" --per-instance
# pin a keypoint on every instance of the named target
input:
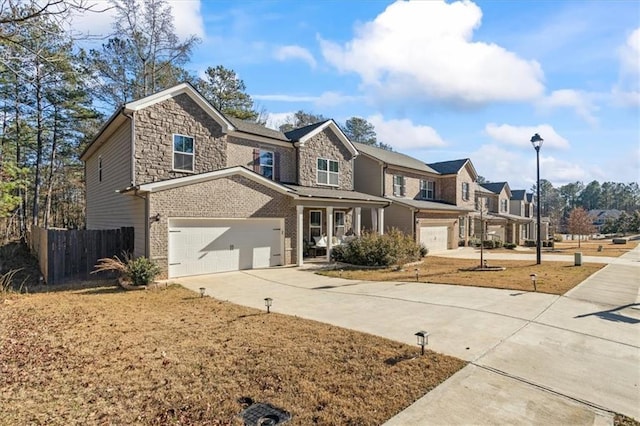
(202, 289)
(268, 302)
(534, 278)
(423, 340)
(536, 141)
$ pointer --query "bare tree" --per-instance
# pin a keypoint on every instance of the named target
(580, 223)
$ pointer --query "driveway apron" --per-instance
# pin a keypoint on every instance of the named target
(534, 358)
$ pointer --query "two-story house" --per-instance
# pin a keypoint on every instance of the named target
(426, 203)
(503, 221)
(521, 205)
(209, 193)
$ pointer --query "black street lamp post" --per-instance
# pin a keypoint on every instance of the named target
(536, 141)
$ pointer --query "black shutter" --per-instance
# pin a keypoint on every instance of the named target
(276, 166)
(256, 160)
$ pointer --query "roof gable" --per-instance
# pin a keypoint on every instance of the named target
(394, 158)
(189, 90)
(495, 187)
(217, 174)
(518, 194)
(303, 134)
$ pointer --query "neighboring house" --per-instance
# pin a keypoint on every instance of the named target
(521, 205)
(427, 204)
(502, 223)
(209, 193)
(600, 217)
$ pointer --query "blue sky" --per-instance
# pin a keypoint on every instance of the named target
(445, 80)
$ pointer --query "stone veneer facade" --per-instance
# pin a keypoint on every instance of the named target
(155, 126)
(231, 197)
(325, 145)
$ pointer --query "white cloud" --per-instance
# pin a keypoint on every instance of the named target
(186, 14)
(324, 100)
(277, 119)
(627, 92)
(285, 53)
(403, 134)
(424, 50)
(521, 135)
(498, 164)
(580, 101)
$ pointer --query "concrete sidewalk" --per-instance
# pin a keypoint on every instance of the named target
(535, 358)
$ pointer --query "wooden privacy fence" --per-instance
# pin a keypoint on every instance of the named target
(65, 254)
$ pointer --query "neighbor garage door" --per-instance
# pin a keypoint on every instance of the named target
(205, 246)
(435, 238)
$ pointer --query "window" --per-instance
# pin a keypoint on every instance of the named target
(100, 169)
(183, 153)
(338, 229)
(504, 207)
(465, 191)
(427, 189)
(327, 172)
(398, 185)
(315, 224)
(266, 164)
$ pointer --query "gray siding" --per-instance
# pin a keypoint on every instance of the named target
(107, 209)
(367, 176)
(397, 216)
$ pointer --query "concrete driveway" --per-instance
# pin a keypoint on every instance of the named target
(534, 358)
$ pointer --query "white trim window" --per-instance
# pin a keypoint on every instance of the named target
(504, 206)
(315, 224)
(398, 185)
(327, 172)
(266, 164)
(183, 153)
(427, 189)
(338, 221)
(465, 191)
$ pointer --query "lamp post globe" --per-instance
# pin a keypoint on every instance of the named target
(536, 141)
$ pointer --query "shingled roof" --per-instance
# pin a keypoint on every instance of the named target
(300, 132)
(256, 129)
(495, 187)
(449, 167)
(394, 158)
(518, 194)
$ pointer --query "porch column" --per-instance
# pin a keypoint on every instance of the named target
(329, 232)
(299, 235)
(380, 220)
(357, 220)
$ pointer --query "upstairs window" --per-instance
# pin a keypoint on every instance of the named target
(465, 191)
(266, 164)
(427, 189)
(398, 185)
(183, 153)
(504, 205)
(327, 172)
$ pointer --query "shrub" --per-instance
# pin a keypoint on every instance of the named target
(557, 238)
(140, 271)
(488, 244)
(529, 243)
(474, 242)
(498, 243)
(509, 246)
(393, 248)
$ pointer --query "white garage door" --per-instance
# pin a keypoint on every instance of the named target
(435, 238)
(205, 246)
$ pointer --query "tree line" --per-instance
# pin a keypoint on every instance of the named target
(558, 203)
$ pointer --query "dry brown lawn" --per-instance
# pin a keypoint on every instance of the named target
(106, 356)
(552, 277)
(590, 248)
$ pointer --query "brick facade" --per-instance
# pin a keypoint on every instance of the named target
(232, 197)
(325, 145)
(155, 126)
(411, 183)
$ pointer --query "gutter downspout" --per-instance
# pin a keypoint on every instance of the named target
(133, 146)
